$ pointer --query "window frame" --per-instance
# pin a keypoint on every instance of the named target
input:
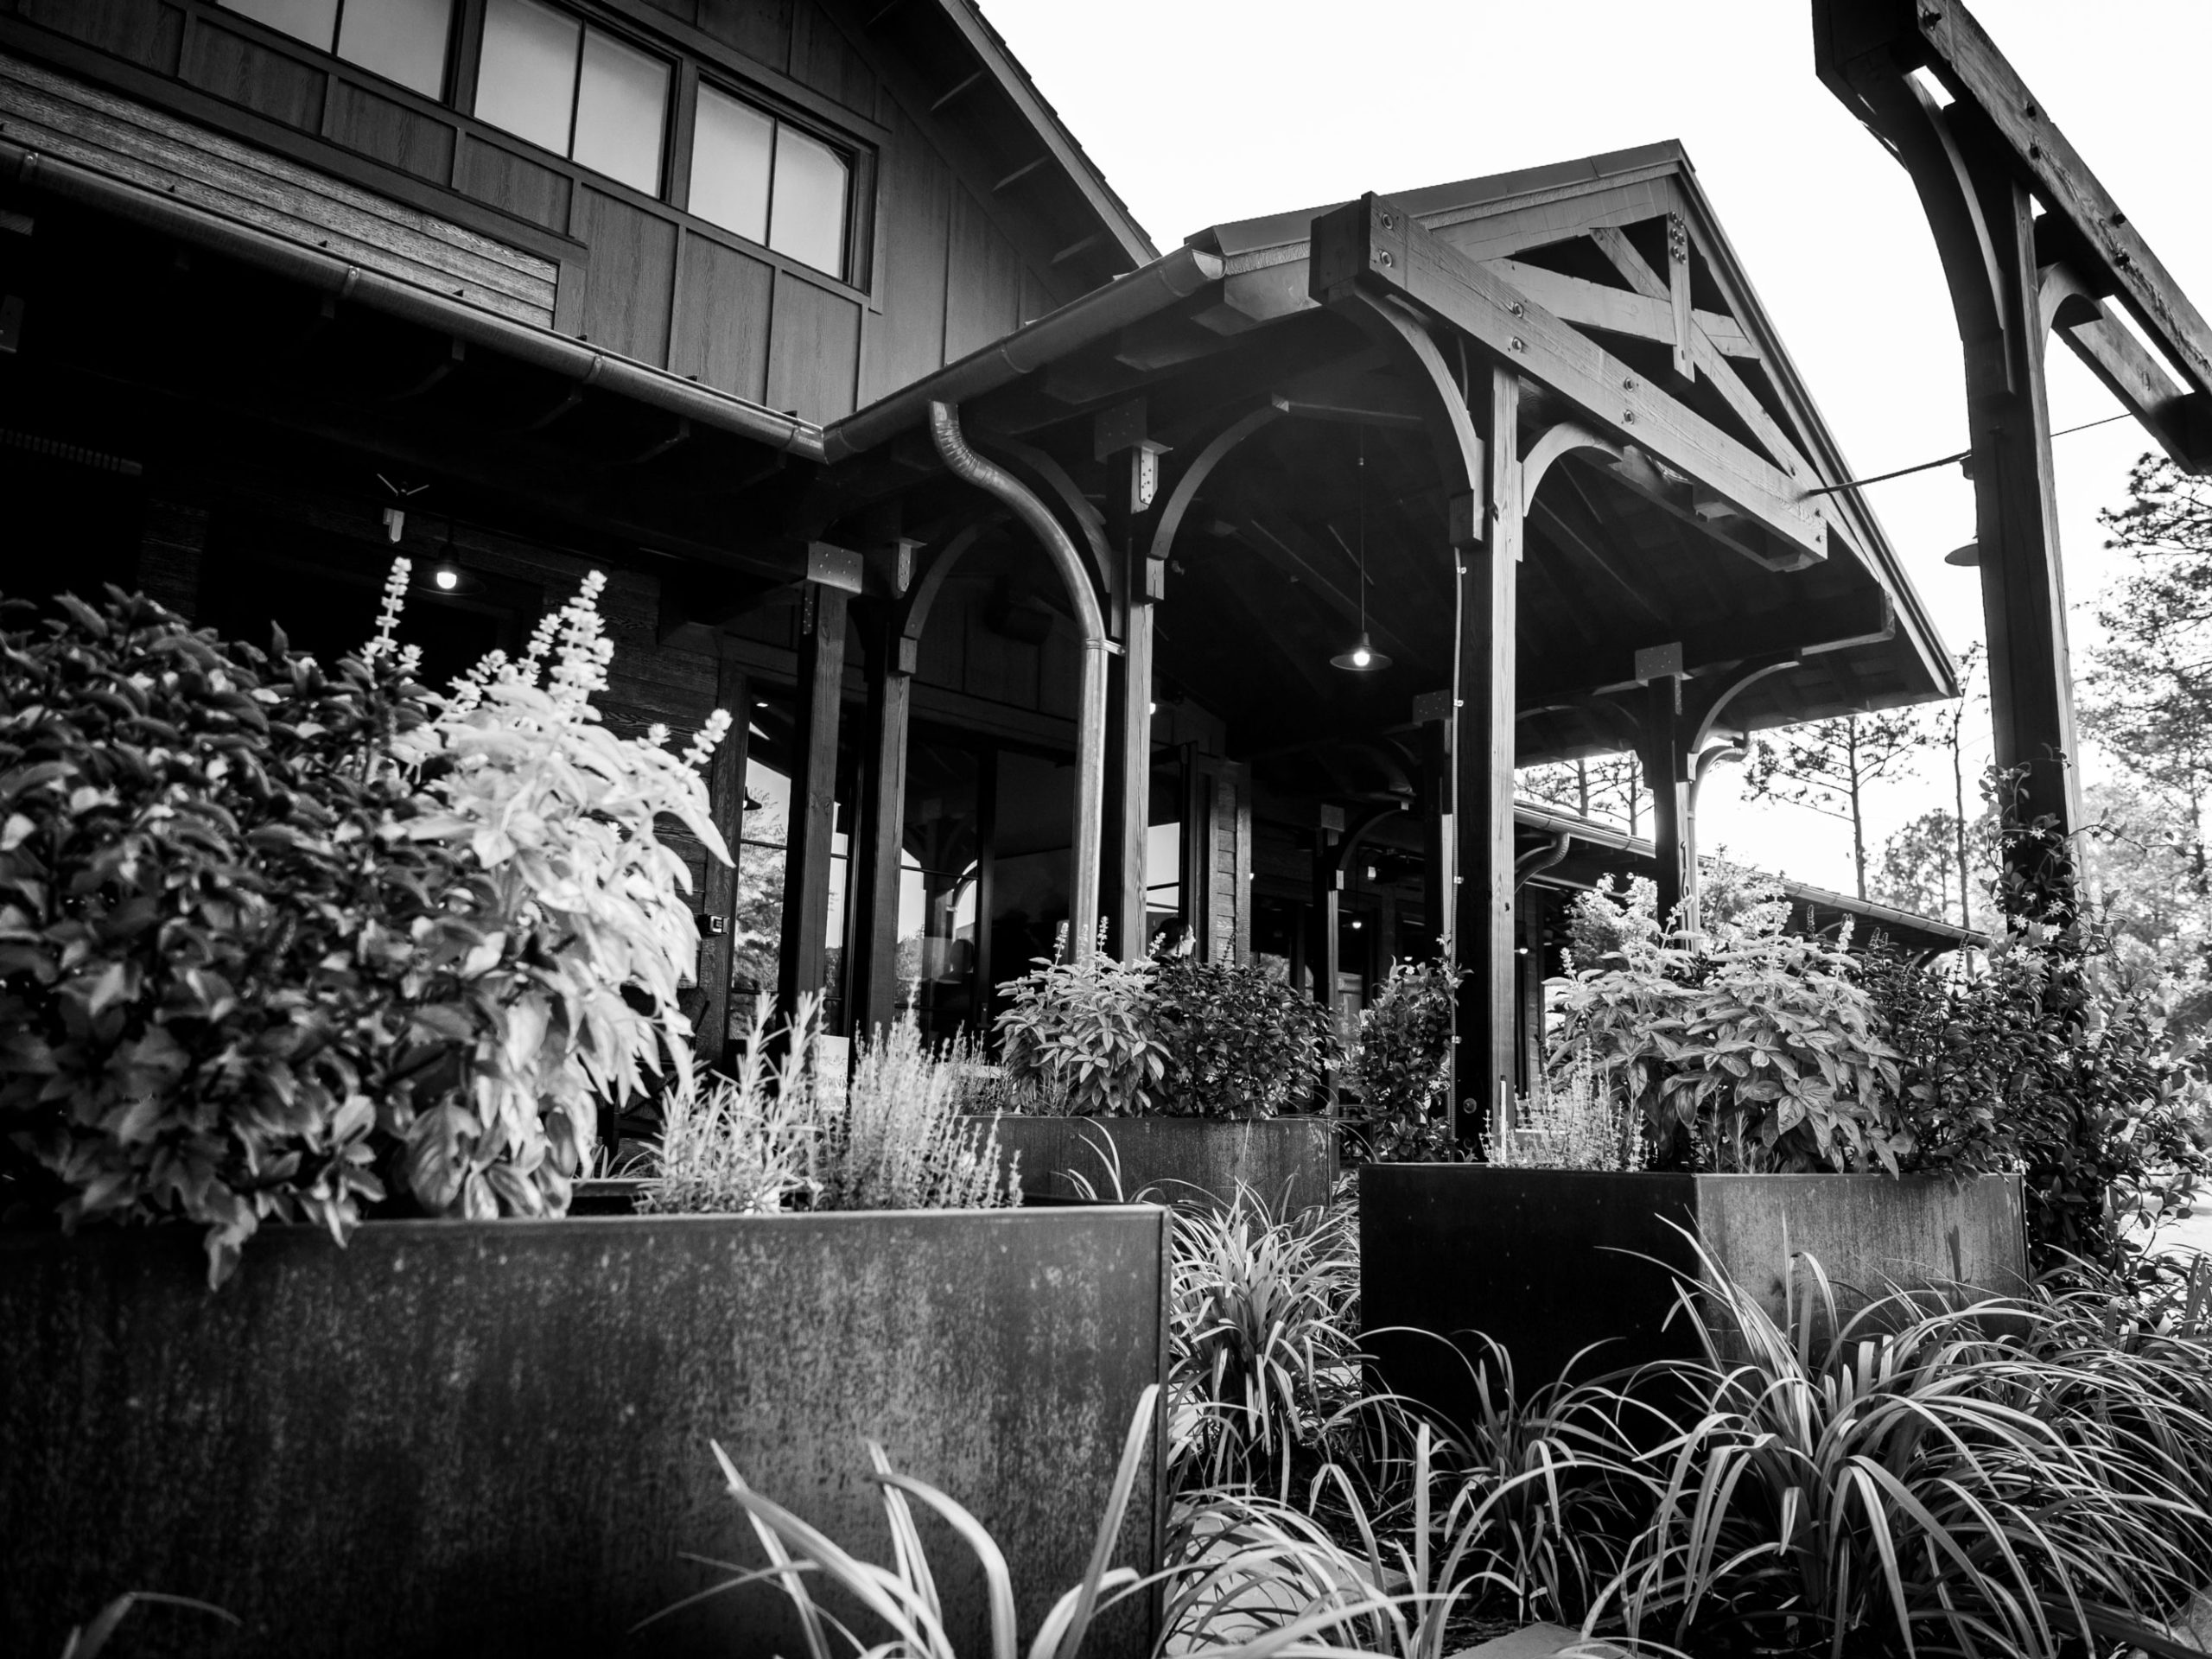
(673, 112)
(857, 159)
(464, 27)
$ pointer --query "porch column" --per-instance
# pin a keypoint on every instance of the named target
(718, 892)
(1662, 751)
(1133, 482)
(1322, 953)
(1432, 712)
(872, 980)
(2016, 528)
(1483, 1054)
(802, 964)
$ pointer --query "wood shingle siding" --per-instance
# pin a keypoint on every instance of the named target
(67, 119)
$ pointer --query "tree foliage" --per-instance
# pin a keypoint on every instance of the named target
(1830, 765)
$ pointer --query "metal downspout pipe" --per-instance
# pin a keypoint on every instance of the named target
(1084, 856)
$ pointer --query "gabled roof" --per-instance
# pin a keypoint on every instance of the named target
(1532, 210)
(991, 52)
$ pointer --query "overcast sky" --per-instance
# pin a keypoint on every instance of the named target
(1204, 111)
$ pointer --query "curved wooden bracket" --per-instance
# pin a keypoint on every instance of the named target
(1558, 440)
(1459, 448)
(1711, 697)
(1903, 112)
(912, 614)
(1359, 832)
(1192, 477)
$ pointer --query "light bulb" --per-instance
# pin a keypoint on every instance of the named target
(448, 578)
(1362, 657)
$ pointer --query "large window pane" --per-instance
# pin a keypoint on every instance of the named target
(730, 151)
(402, 40)
(528, 81)
(312, 21)
(809, 202)
(621, 111)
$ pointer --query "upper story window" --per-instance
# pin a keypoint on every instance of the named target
(551, 78)
(400, 40)
(769, 181)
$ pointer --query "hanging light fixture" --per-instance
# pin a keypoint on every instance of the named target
(1362, 658)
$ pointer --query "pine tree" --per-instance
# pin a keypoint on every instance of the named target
(1830, 764)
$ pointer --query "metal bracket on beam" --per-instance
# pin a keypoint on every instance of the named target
(832, 566)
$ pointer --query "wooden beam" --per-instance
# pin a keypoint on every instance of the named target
(1132, 489)
(1706, 355)
(1975, 164)
(1376, 244)
(1678, 293)
(1662, 749)
(1482, 931)
(2180, 420)
(877, 850)
(718, 891)
(802, 966)
(1837, 625)
(1856, 40)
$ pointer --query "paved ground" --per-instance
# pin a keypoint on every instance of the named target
(2194, 1234)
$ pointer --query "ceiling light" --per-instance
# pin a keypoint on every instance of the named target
(1361, 657)
(1968, 556)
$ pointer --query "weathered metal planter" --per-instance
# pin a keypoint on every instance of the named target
(1547, 1262)
(492, 1438)
(1291, 1160)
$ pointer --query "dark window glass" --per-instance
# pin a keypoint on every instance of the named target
(400, 40)
(552, 80)
(769, 181)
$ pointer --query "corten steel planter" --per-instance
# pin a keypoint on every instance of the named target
(492, 1438)
(1183, 1158)
(1549, 1262)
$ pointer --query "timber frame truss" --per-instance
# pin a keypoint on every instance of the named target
(2032, 245)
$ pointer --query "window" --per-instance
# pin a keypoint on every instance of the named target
(769, 181)
(551, 79)
(400, 40)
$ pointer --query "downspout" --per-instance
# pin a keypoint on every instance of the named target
(1083, 856)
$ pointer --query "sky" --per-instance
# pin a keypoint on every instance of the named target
(1201, 111)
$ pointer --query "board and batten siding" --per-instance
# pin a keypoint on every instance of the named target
(252, 124)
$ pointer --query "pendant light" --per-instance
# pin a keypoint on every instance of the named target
(1362, 658)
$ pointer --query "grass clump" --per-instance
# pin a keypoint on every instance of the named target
(782, 1136)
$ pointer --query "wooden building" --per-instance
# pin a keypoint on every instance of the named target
(1052, 579)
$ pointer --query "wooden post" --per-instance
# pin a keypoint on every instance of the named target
(1434, 712)
(718, 892)
(802, 965)
(1322, 955)
(874, 977)
(1534, 905)
(1133, 480)
(1483, 1045)
(1662, 751)
(2016, 529)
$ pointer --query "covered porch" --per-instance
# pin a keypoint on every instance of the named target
(1313, 531)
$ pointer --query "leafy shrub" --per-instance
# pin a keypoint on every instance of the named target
(1101, 1037)
(1239, 1043)
(229, 974)
(779, 1135)
(277, 941)
(1743, 1049)
(562, 816)
(1402, 1064)
(2040, 1062)
(1079, 1031)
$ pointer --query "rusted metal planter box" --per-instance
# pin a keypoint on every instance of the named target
(1549, 1262)
(492, 1438)
(1283, 1160)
